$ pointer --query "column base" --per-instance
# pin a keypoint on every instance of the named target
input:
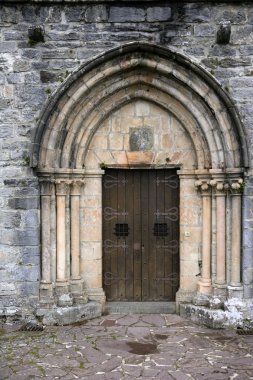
(78, 292)
(235, 291)
(96, 294)
(62, 287)
(183, 296)
(220, 290)
(201, 299)
(46, 295)
(205, 287)
(64, 298)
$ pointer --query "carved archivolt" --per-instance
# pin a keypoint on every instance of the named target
(71, 246)
(140, 71)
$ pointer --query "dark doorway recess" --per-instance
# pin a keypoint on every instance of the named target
(140, 235)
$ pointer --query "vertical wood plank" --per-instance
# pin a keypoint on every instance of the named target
(137, 237)
(121, 240)
(129, 241)
(138, 267)
(160, 241)
(145, 247)
(152, 239)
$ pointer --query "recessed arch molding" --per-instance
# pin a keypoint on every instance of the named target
(194, 127)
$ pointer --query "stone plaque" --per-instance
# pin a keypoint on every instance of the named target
(141, 139)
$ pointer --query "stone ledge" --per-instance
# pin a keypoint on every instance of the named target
(203, 316)
(235, 313)
(68, 315)
(140, 307)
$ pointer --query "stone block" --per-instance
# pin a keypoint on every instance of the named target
(216, 303)
(30, 255)
(204, 316)
(50, 14)
(96, 13)
(24, 203)
(6, 131)
(75, 14)
(60, 53)
(20, 65)
(222, 51)
(65, 36)
(31, 53)
(29, 291)
(126, 14)
(9, 14)
(235, 16)
(15, 78)
(248, 275)
(14, 35)
(248, 291)
(194, 12)
(20, 237)
(33, 95)
(28, 13)
(30, 219)
(7, 289)
(8, 47)
(155, 14)
(49, 76)
(69, 315)
(204, 30)
(10, 219)
(27, 273)
(65, 300)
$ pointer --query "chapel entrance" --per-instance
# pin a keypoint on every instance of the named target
(140, 235)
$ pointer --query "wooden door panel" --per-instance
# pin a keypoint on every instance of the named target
(140, 235)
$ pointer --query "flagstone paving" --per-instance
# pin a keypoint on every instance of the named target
(126, 347)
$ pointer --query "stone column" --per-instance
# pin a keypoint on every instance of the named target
(76, 281)
(62, 283)
(91, 232)
(204, 285)
(46, 289)
(235, 288)
(220, 193)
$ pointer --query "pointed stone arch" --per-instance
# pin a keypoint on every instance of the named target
(79, 110)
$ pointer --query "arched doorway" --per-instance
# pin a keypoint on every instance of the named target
(140, 107)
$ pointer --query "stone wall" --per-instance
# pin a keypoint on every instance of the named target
(41, 45)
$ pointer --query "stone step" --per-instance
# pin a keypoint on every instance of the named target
(140, 307)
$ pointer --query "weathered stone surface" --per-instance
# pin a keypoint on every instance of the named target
(97, 13)
(173, 348)
(24, 203)
(75, 33)
(69, 315)
(7, 289)
(10, 219)
(126, 14)
(158, 14)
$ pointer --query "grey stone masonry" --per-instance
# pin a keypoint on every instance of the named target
(72, 33)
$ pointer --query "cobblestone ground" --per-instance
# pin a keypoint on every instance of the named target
(126, 347)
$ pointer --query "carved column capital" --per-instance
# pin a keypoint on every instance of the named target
(46, 186)
(236, 186)
(220, 186)
(62, 186)
(76, 186)
(204, 186)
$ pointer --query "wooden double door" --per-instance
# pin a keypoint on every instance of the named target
(140, 235)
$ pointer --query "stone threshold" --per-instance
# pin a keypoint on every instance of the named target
(68, 315)
(140, 307)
